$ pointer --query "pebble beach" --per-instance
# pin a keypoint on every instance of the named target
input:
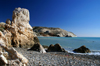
(59, 58)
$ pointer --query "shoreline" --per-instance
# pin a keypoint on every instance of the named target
(93, 52)
(58, 58)
(68, 37)
(68, 42)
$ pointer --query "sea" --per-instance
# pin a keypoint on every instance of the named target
(71, 43)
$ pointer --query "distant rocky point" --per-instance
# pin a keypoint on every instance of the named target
(56, 32)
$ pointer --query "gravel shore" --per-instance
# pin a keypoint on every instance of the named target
(59, 58)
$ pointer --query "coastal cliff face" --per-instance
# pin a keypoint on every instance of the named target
(58, 32)
(18, 32)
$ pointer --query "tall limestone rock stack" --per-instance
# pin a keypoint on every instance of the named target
(18, 32)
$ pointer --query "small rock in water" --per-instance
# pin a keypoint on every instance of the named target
(82, 49)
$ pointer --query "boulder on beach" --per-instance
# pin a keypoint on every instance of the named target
(55, 48)
(82, 49)
(38, 47)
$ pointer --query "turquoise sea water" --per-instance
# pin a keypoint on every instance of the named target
(70, 43)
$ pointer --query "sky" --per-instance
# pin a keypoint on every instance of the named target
(82, 17)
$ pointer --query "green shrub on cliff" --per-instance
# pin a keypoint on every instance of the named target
(1, 29)
(2, 26)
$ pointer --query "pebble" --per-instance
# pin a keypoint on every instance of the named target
(58, 59)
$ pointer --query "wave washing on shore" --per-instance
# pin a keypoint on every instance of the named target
(71, 43)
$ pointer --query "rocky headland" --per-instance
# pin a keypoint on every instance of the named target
(56, 32)
(16, 33)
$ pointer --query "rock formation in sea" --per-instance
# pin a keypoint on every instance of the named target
(82, 49)
(55, 48)
(58, 32)
(18, 32)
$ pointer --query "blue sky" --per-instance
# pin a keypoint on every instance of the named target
(82, 17)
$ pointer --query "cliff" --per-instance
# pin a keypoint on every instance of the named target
(57, 32)
(18, 32)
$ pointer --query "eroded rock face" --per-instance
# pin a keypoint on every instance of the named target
(3, 60)
(18, 32)
(82, 49)
(55, 48)
(10, 55)
(21, 18)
